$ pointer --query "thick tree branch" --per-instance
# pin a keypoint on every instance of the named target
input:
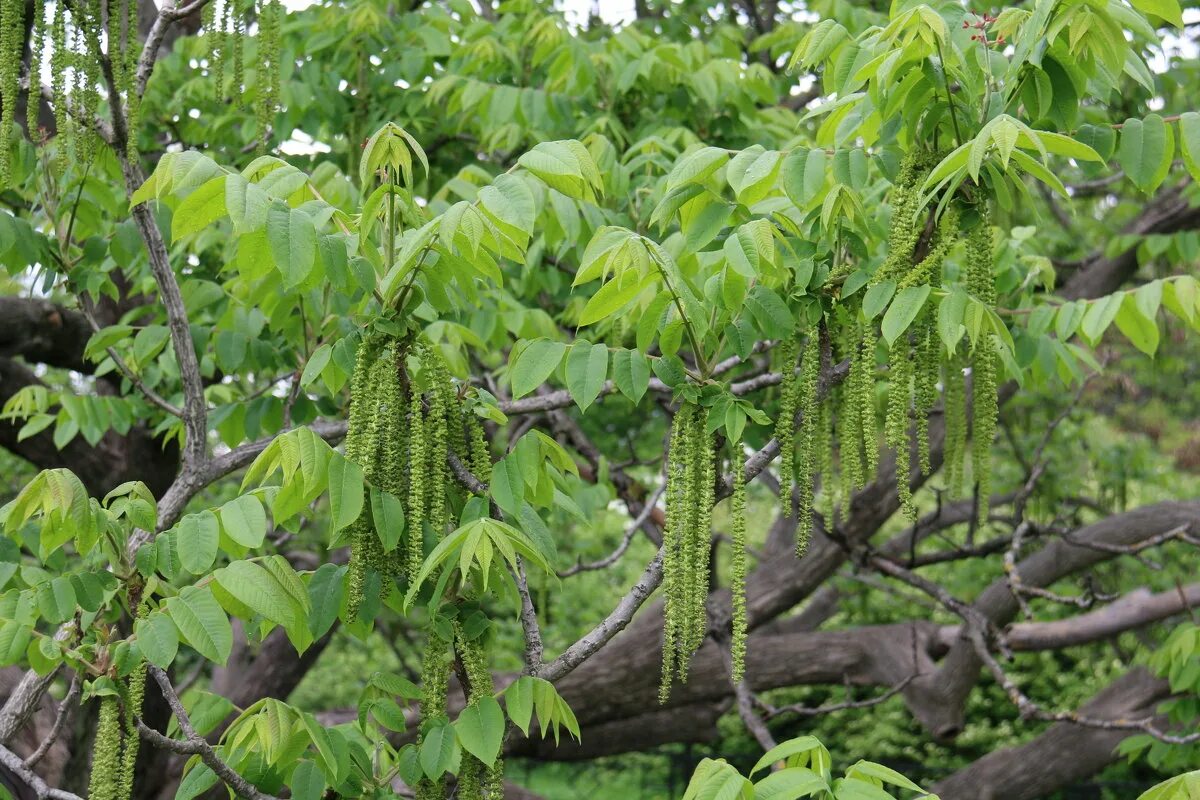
(1064, 754)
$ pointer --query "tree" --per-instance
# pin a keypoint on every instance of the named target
(528, 272)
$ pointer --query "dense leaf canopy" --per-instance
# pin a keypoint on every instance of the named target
(391, 391)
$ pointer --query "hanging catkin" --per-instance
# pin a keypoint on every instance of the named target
(809, 440)
(737, 562)
(985, 405)
(435, 682)
(785, 423)
(60, 60)
(691, 488)
(105, 779)
(476, 781)
(12, 29)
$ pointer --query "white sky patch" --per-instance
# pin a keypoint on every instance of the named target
(301, 144)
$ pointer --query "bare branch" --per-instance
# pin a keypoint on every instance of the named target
(64, 709)
(610, 626)
(16, 765)
(630, 531)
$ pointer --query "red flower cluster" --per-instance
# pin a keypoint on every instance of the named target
(982, 25)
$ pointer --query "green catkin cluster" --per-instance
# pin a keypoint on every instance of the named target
(847, 420)
(218, 46)
(914, 366)
(476, 781)
(12, 29)
(435, 682)
(135, 694)
(358, 445)
(859, 401)
(401, 442)
(737, 565)
(785, 423)
(896, 421)
(691, 487)
(127, 76)
(442, 400)
(269, 23)
(925, 395)
(37, 58)
(906, 228)
(415, 511)
(89, 55)
(115, 751)
(60, 59)
(809, 440)
(481, 456)
(236, 47)
(985, 405)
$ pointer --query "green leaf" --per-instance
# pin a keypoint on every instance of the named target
(325, 590)
(1181, 787)
(1167, 9)
(202, 622)
(438, 750)
(1137, 327)
(198, 536)
(244, 521)
(697, 166)
(803, 176)
(246, 203)
(507, 485)
(480, 729)
(345, 491)
(881, 773)
(388, 515)
(807, 749)
(1099, 316)
(261, 592)
(293, 240)
(1101, 138)
(770, 313)
(518, 701)
(1189, 142)
(877, 297)
(199, 209)
(1145, 147)
(950, 319)
(307, 781)
(56, 600)
(198, 780)
(614, 295)
(631, 373)
(510, 203)
(903, 311)
(316, 365)
(534, 365)
(14, 639)
(148, 343)
(587, 370)
(789, 784)
(157, 639)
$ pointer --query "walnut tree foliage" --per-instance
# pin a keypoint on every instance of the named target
(819, 246)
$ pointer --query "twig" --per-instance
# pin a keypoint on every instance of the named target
(830, 708)
(13, 762)
(195, 744)
(64, 709)
(630, 531)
